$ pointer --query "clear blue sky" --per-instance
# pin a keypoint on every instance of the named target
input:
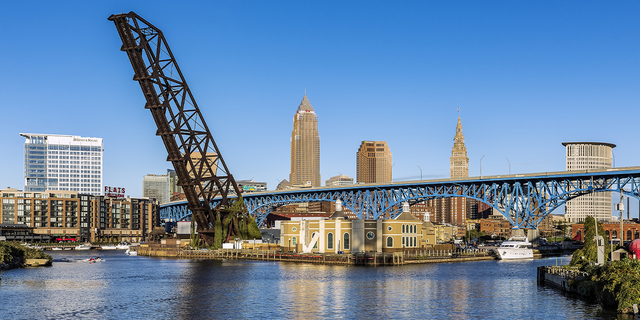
(526, 76)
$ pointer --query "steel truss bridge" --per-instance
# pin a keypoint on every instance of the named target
(524, 199)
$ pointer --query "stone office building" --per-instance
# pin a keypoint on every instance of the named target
(69, 214)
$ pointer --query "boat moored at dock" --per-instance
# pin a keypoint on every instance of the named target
(515, 248)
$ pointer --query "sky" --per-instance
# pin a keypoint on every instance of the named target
(526, 76)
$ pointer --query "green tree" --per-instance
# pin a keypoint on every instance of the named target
(588, 252)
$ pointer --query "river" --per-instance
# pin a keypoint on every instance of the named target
(124, 287)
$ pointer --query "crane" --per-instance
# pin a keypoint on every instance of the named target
(201, 170)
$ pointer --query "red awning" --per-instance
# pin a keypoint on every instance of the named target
(577, 238)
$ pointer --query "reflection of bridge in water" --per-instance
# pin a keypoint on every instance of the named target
(524, 199)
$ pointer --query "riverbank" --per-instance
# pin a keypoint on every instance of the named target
(615, 285)
(15, 255)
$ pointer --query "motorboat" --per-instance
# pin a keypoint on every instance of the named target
(93, 260)
(122, 246)
(515, 248)
(56, 249)
(83, 247)
(131, 252)
(108, 247)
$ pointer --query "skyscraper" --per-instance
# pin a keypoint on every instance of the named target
(459, 162)
(61, 162)
(305, 147)
(374, 162)
(455, 210)
(156, 186)
(589, 155)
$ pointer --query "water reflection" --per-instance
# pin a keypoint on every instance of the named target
(143, 288)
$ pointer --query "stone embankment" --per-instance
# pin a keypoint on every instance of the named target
(368, 258)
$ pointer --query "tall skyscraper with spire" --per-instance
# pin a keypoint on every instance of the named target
(305, 147)
(459, 162)
(455, 210)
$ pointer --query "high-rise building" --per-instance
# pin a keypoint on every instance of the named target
(459, 162)
(174, 188)
(374, 162)
(305, 147)
(589, 155)
(156, 186)
(455, 210)
(62, 162)
(339, 180)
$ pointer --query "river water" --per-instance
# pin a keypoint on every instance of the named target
(124, 287)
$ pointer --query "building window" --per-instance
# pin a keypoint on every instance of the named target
(403, 244)
(294, 241)
(371, 235)
(628, 235)
(389, 242)
(345, 241)
(315, 246)
(403, 228)
(389, 228)
(330, 241)
(294, 229)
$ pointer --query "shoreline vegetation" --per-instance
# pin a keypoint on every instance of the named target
(614, 285)
(14, 255)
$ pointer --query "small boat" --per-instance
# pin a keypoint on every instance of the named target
(515, 248)
(83, 247)
(131, 252)
(108, 247)
(56, 249)
(122, 246)
(67, 248)
(93, 260)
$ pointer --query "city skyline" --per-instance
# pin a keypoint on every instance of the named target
(526, 76)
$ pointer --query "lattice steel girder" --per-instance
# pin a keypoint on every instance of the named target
(524, 200)
(199, 165)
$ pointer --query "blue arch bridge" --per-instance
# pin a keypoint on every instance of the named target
(524, 199)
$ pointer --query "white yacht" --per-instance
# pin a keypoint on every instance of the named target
(131, 252)
(515, 248)
(122, 246)
(108, 247)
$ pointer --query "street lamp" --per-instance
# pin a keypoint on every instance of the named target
(420, 171)
(509, 165)
(481, 166)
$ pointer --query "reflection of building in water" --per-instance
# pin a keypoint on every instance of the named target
(340, 234)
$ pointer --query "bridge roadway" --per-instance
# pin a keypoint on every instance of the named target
(524, 199)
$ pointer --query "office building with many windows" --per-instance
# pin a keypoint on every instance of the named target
(305, 147)
(63, 163)
(589, 155)
(68, 214)
(374, 162)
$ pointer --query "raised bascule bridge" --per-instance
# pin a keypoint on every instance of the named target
(211, 191)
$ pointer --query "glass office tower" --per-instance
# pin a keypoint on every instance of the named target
(62, 162)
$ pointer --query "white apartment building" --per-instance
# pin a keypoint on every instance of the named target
(62, 162)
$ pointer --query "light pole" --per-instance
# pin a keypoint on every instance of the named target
(614, 158)
(420, 171)
(481, 166)
(509, 165)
